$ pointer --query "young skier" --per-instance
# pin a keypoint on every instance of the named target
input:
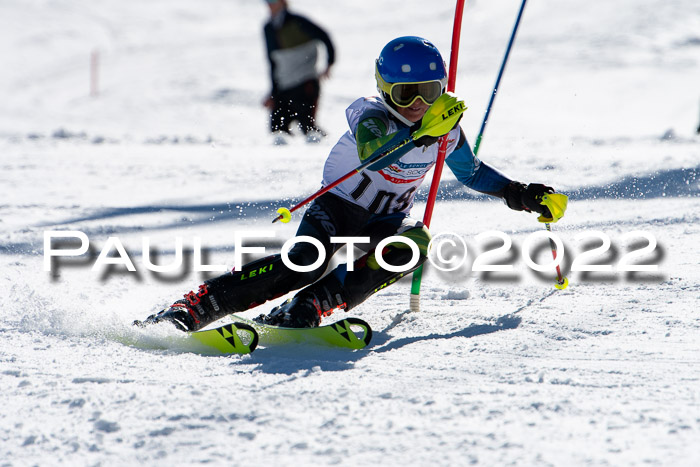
(411, 80)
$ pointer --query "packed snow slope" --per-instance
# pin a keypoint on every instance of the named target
(599, 100)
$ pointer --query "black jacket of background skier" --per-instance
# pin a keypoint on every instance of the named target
(292, 50)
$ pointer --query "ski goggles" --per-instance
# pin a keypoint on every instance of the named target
(405, 94)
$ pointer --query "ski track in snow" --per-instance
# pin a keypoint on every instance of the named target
(497, 369)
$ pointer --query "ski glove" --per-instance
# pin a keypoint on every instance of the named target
(423, 140)
(440, 118)
(520, 197)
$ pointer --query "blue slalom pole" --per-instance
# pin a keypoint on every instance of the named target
(498, 79)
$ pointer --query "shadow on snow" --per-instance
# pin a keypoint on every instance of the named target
(308, 359)
(382, 342)
(670, 183)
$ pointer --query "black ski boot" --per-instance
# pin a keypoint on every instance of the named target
(178, 313)
(307, 307)
(192, 313)
(296, 312)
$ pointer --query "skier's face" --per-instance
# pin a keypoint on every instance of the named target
(415, 111)
(276, 6)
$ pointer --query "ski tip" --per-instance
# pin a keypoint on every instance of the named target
(359, 342)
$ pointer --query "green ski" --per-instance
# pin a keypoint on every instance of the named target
(243, 335)
(351, 333)
(238, 338)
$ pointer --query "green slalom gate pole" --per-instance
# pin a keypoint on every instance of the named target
(418, 273)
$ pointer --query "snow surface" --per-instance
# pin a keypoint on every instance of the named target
(599, 100)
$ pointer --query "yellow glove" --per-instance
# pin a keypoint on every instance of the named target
(441, 117)
(556, 202)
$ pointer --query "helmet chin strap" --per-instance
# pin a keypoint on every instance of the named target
(394, 112)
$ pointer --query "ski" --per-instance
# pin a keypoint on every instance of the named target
(351, 333)
(243, 335)
(239, 338)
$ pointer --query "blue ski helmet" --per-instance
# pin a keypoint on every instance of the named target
(409, 68)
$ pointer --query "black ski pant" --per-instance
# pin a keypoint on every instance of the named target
(298, 103)
(329, 216)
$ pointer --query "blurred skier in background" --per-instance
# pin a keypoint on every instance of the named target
(405, 121)
(292, 49)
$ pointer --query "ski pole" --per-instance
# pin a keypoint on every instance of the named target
(562, 282)
(477, 143)
(285, 215)
(556, 203)
(418, 273)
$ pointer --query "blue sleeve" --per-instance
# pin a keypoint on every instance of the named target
(474, 173)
